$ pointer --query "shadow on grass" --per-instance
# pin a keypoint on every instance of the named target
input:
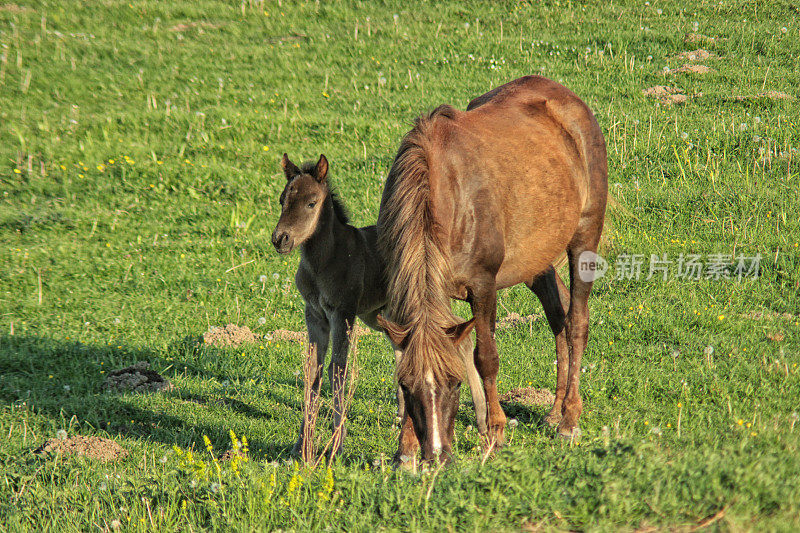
(62, 380)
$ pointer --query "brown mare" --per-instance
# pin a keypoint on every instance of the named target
(477, 201)
(340, 276)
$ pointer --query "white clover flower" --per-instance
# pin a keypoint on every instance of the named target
(262, 278)
(262, 320)
(513, 423)
(61, 434)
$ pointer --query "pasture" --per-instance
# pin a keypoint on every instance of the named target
(139, 179)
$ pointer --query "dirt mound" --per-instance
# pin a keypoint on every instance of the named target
(667, 95)
(230, 335)
(92, 447)
(690, 68)
(528, 396)
(136, 378)
(515, 319)
(287, 335)
(694, 38)
(696, 55)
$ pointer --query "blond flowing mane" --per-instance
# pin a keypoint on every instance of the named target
(418, 263)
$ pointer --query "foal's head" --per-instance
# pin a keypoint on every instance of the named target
(302, 201)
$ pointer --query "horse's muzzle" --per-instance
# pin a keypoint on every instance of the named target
(282, 242)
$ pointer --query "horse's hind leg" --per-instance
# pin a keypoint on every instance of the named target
(554, 295)
(577, 329)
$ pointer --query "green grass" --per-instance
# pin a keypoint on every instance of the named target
(106, 263)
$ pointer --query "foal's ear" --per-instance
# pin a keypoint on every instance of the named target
(395, 332)
(289, 168)
(459, 332)
(321, 170)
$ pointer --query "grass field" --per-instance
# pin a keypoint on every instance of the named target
(139, 183)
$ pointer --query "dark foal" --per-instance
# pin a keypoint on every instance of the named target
(477, 201)
(340, 276)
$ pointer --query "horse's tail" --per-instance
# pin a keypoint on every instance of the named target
(418, 266)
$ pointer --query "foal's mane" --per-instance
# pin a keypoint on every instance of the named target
(418, 264)
(309, 167)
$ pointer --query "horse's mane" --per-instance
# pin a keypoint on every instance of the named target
(339, 209)
(418, 264)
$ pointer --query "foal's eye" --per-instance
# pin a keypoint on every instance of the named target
(311, 205)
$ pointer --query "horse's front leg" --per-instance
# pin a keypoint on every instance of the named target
(483, 300)
(318, 335)
(341, 327)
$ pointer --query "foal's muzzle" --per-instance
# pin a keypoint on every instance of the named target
(282, 242)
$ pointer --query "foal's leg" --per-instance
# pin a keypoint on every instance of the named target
(577, 327)
(318, 335)
(483, 300)
(554, 296)
(341, 325)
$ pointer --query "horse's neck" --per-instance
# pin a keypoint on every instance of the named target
(321, 246)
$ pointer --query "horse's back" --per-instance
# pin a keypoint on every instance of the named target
(517, 172)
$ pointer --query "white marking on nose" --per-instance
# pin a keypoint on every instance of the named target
(437, 442)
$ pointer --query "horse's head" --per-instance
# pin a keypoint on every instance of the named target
(431, 393)
(302, 201)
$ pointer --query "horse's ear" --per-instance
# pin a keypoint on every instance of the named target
(395, 332)
(289, 168)
(459, 332)
(321, 170)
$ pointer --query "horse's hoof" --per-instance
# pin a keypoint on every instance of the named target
(495, 437)
(569, 433)
(405, 463)
(553, 419)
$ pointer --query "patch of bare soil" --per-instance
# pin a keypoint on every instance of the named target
(690, 68)
(528, 396)
(96, 448)
(14, 8)
(667, 95)
(696, 55)
(230, 454)
(694, 38)
(230, 335)
(190, 25)
(515, 319)
(775, 336)
(771, 95)
(768, 315)
(136, 378)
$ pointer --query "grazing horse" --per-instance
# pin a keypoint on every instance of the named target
(477, 201)
(340, 276)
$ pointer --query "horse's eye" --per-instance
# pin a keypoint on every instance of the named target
(311, 205)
